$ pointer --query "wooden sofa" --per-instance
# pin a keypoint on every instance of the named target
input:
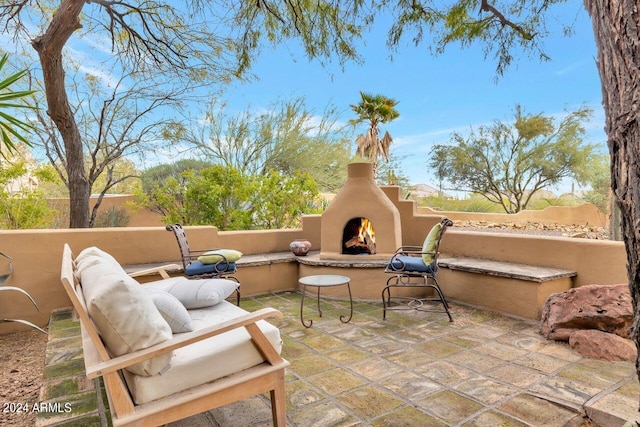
(231, 354)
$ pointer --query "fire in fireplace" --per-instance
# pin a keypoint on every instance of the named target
(358, 237)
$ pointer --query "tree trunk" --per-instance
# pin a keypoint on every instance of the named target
(615, 24)
(49, 47)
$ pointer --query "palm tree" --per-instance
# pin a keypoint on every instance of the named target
(374, 109)
(10, 127)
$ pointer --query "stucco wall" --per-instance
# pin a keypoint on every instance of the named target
(138, 217)
(596, 261)
(37, 255)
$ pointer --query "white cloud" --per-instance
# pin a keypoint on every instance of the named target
(436, 136)
(569, 68)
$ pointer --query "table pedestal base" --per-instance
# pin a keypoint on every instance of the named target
(320, 281)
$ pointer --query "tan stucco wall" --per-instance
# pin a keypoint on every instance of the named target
(596, 261)
(415, 225)
(586, 214)
(517, 297)
(138, 217)
(37, 255)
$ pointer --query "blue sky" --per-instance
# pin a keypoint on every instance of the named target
(439, 94)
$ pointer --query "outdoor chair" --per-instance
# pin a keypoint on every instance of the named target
(208, 263)
(416, 267)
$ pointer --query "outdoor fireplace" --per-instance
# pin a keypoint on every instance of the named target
(360, 205)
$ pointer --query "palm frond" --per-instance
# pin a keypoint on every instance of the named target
(10, 127)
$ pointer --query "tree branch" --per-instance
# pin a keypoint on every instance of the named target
(12, 10)
(486, 7)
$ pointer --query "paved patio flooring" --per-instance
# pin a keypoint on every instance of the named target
(418, 369)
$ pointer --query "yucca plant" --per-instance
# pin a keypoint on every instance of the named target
(11, 127)
(3, 278)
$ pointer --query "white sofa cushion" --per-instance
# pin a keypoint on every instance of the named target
(171, 310)
(92, 256)
(197, 293)
(206, 360)
(123, 313)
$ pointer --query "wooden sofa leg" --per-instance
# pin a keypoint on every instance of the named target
(278, 401)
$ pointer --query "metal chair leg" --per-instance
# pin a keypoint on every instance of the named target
(417, 301)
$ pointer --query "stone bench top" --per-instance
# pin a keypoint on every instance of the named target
(505, 269)
(472, 265)
(246, 261)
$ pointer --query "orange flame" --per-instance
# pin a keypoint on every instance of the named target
(366, 228)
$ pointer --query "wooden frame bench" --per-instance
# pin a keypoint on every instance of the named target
(506, 286)
(267, 376)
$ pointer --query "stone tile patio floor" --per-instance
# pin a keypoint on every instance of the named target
(418, 369)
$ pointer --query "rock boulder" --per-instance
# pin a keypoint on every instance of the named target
(603, 345)
(605, 308)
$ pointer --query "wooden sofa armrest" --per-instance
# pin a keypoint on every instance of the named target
(161, 270)
(248, 321)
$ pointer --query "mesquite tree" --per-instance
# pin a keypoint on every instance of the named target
(508, 163)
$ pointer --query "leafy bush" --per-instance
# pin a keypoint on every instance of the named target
(22, 206)
(564, 200)
(474, 203)
(230, 200)
(477, 203)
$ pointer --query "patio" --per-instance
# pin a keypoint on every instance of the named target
(484, 369)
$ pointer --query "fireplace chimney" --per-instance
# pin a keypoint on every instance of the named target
(360, 197)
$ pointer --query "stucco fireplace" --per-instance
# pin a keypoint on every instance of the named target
(361, 220)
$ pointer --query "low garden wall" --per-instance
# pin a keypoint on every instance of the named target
(37, 255)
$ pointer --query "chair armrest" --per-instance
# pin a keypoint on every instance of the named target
(161, 270)
(411, 251)
(183, 340)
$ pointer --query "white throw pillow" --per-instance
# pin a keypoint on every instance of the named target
(124, 315)
(197, 293)
(171, 310)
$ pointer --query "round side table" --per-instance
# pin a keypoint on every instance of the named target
(324, 281)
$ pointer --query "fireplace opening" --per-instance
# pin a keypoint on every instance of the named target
(358, 237)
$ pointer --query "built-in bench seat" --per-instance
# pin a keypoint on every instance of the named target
(511, 270)
(517, 289)
(245, 261)
(506, 286)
